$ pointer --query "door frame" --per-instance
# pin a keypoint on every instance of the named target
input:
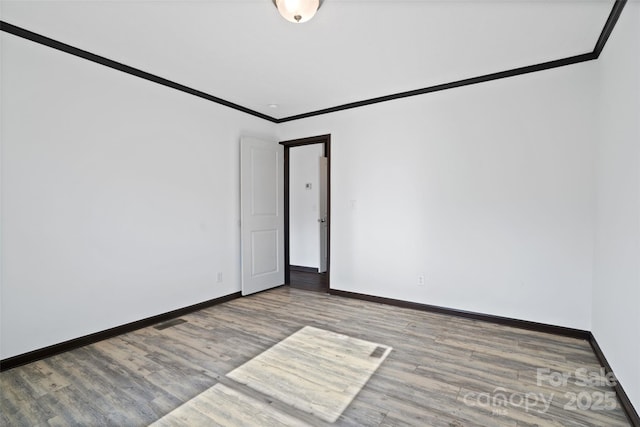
(325, 140)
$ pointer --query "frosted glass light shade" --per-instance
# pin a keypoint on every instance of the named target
(297, 11)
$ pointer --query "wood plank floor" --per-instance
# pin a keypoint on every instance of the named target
(309, 281)
(443, 371)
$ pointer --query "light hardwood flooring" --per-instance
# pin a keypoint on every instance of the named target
(443, 371)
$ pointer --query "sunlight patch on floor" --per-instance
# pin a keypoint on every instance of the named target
(224, 406)
(315, 371)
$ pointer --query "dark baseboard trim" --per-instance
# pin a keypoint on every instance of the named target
(627, 406)
(32, 356)
(303, 269)
(631, 412)
(507, 321)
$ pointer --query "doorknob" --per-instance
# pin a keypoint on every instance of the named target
(322, 220)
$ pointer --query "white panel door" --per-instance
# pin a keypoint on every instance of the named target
(262, 206)
(322, 214)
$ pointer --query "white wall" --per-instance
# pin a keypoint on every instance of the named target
(616, 302)
(486, 190)
(120, 197)
(304, 237)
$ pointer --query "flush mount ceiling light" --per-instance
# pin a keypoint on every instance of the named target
(297, 11)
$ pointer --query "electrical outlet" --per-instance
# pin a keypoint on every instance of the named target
(220, 277)
(421, 280)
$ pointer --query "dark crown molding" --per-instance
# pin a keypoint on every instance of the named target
(54, 44)
(459, 83)
(618, 5)
(602, 40)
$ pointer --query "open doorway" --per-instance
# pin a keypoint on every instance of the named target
(307, 219)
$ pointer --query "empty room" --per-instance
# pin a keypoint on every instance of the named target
(315, 213)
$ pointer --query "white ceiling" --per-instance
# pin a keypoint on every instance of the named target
(244, 52)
